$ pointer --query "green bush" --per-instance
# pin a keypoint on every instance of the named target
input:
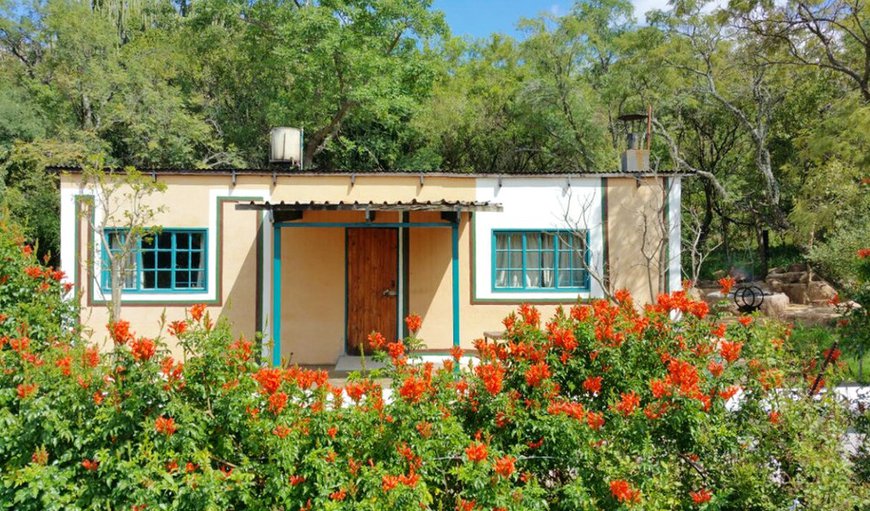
(602, 407)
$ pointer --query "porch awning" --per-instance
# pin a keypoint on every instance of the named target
(413, 205)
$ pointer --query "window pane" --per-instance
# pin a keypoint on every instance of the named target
(182, 260)
(149, 261)
(533, 260)
(578, 260)
(197, 279)
(548, 240)
(182, 241)
(196, 241)
(533, 278)
(548, 259)
(501, 278)
(164, 260)
(565, 260)
(197, 262)
(182, 279)
(501, 259)
(130, 271)
(514, 278)
(164, 240)
(516, 259)
(149, 280)
(164, 280)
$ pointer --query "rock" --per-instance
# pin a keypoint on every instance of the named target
(719, 303)
(797, 293)
(775, 285)
(740, 274)
(820, 292)
(797, 267)
(713, 298)
(694, 294)
(811, 316)
(718, 274)
(776, 271)
(790, 277)
(775, 305)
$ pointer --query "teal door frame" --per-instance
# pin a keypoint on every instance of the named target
(276, 267)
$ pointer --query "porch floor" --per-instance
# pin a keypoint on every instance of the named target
(347, 364)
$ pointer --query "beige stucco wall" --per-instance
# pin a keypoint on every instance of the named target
(185, 203)
(631, 203)
(312, 295)
(430, 280)
(313, 265)
(430, 288)
(371, 188)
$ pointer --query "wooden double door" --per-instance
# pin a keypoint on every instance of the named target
(372, 285)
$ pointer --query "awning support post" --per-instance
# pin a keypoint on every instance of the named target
(276, 296)
(454, 232)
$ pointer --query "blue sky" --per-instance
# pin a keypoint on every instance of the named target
(480, 18)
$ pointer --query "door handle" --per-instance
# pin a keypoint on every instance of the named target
(390, 291)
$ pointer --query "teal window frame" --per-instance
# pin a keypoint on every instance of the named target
(173, 270)
(524, 268)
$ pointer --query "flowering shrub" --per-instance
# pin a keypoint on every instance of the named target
(601, 407)
(855, 325)
(31, 307)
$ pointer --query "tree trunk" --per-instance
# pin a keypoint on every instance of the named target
(764, 251)
(116, 280)
(759, 251)
(725, 245)
(318, 140)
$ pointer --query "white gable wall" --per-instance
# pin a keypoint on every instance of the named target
(537, 203)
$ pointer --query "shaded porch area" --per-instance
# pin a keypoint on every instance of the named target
(341, 270)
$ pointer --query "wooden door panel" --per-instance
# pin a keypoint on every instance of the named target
(372, 270)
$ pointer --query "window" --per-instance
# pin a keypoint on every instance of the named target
(540, 260)
(171, 260)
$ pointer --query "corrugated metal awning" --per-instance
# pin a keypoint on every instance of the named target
(413, 205)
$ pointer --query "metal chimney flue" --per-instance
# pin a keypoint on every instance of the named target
(635, 158)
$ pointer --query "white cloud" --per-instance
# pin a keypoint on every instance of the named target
(641, 7)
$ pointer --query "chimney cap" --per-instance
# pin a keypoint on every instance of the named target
(632, 117)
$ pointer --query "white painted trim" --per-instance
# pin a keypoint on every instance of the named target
(266, 262)
(68, 233)
(675, 235)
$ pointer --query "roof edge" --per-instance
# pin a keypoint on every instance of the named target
(421, 174)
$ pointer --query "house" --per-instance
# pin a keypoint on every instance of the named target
(318, 260)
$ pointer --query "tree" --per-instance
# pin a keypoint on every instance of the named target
(830, 35)
(324, 66)
(121, 219)
(730, 74)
